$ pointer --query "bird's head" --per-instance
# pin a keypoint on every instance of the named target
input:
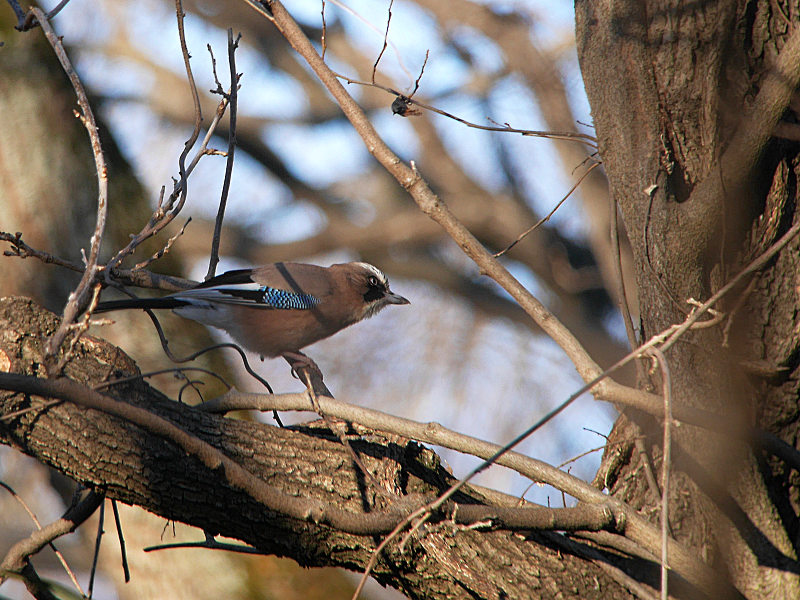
(371, 288)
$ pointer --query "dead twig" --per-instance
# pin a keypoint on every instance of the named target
(385, 42)
(226, 182)
(16, 559)
(666, 462)
(36, 522)
(547, 217)
(80, 296)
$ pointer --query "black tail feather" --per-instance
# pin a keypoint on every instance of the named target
(165, 302)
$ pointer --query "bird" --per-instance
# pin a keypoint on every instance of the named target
(278, 309)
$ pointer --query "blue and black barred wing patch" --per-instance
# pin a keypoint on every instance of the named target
(249, 294)
(287, 300)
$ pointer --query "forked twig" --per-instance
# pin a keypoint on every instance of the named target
(36, 522)
(226, 182)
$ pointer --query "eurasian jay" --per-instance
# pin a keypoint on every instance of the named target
(279, 309)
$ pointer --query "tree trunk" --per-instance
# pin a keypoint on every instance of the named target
(678, 95)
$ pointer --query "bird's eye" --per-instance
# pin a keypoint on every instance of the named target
(373, 280)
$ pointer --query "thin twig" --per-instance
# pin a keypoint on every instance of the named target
(571, 136)
(19, 13)
(79, 297)
(161, 217)
(219, 89)
(57, 9)
(546, 218)
(755, 265)
(141, 376)
(665, 468)
(165, 346)
(226, 182)
(22, 411)
(419, 78)
(596, 449)
(16, 558)
(169, 209)
(36, 522)
(98, 538)
(211, 544)
(198, 112)
(323, 38)
(23, 250)
(78, 329)
(167, 247)
(369, 25)
(125, 570)
(385, 42)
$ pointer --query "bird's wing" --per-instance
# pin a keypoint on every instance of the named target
(262, 288)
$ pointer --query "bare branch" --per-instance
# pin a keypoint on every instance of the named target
(303, 509)
(125, 570)
(36, 522)
(226, 182)
(23, 250)
(546, 217)
(419, 77)
(19, 13)
(78, 298)
(198, 113)
(666, 463)
(98, 538)
(401, 102)
(385, 41)
(57, 9)
(323, 40)
(17, 557)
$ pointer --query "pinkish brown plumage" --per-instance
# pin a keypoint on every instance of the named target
(282, 307)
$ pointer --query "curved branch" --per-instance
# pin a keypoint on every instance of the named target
(195, 480)
(80, 296)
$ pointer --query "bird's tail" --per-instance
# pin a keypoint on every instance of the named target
(165, 302)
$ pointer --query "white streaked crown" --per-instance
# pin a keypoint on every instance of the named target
(375, 271)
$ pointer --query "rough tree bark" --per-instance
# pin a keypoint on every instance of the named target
(442, 560)
(689, 143)
(678, 96)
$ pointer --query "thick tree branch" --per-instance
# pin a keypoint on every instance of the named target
(186, 465)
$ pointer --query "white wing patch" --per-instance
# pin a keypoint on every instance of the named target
(212, 295)
(248, 294)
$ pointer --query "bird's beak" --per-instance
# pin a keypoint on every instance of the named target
(395, 299)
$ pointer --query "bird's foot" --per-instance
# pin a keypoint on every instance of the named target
(307, 371)
(298, 361)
